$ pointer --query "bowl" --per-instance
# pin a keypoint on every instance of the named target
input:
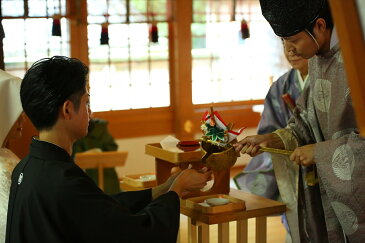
(216, 201)
(219, 160)
(187, 146)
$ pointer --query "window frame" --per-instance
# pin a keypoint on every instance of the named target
(182, 117)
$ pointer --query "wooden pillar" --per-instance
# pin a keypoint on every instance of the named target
(350, 34)
(77, 12)
(181, 68)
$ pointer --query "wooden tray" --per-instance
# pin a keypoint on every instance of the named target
(135, 181)
(196, 204)
(157, 151)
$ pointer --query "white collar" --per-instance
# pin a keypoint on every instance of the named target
(302, 82)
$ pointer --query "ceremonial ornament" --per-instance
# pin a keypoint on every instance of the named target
(216, 142)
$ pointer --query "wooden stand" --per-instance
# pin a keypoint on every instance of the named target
(101, 160)
(256, 207)
(165, 160)
(199, 204)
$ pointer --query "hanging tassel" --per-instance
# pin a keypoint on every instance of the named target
(104, 38)
(56, 25)
(245, 31)
(153, 32)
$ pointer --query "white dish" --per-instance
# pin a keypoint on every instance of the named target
(216, 201)
(147, 177)
(204, 204)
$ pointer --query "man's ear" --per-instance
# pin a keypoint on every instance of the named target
(67, 110)
(321, 25)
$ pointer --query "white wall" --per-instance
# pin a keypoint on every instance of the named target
(138, 162)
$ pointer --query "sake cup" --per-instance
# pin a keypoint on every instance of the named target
(216, 201)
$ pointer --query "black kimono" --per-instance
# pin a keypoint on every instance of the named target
(52, 200)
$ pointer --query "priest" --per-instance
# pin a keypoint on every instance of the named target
(322, 131)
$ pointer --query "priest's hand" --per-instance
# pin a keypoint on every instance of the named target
(163, 188)
(190, 180)
(251, 145)
(303, 155)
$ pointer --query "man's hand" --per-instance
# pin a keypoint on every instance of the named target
(303, 155)
(190, 180)
(251, 145)
(164, 187)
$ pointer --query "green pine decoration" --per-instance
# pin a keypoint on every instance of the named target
(215, 132)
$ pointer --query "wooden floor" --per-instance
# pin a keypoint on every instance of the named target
(275, 229)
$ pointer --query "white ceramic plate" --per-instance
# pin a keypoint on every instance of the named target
(216, 201)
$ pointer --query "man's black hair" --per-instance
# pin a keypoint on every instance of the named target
(47, 84)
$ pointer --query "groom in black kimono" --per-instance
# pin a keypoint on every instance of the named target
(52, 200)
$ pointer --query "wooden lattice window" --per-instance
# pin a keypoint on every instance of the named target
(28, 32)
(130, 72)
(225, 66)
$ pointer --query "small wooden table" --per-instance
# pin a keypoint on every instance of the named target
(100, 160)
(256, 207)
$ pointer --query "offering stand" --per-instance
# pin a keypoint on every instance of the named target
(256, 207)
